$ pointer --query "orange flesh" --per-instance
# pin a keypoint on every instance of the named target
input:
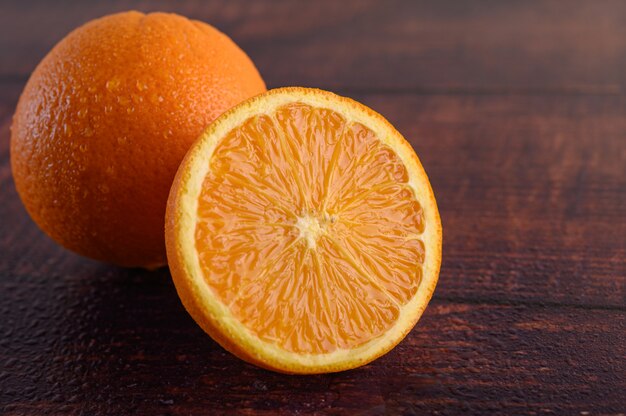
(308, 230)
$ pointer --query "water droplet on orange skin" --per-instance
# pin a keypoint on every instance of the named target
(141, 86)
(113, 84)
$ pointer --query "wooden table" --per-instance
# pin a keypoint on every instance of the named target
(518, 113)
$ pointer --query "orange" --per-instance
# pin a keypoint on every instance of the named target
(302, 232)
(105, 120)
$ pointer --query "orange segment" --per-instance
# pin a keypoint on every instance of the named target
(302, 232)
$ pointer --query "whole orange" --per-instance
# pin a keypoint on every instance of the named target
(105, 120)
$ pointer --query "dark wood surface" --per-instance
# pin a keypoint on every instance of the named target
(518, 113)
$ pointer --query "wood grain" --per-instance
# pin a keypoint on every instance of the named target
(391, 45)
(517, 112)
(113, 341)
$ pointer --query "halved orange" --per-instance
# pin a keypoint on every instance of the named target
(302, 232)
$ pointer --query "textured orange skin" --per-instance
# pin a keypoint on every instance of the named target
(107, 117)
